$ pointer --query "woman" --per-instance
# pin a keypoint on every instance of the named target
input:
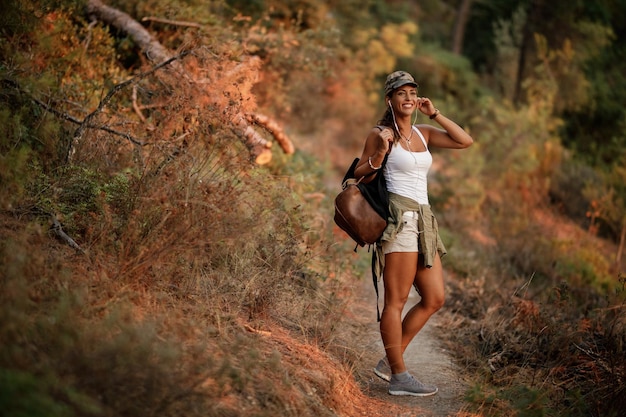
(411, 245)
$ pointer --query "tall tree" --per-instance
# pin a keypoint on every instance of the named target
(458, 35)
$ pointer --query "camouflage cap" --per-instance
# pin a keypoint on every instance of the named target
(398, 79)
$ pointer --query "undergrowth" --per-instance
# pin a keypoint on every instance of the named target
(557, 351)
(194, 288)
(198, 286)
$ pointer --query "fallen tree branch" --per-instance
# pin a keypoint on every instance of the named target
(171, 22)
(57, 230)
(153, 49)
(258, 145)
(274, 128)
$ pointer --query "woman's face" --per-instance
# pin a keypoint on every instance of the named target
(404, 100)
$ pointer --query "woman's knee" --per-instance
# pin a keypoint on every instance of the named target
(433, 304)
(395, 302)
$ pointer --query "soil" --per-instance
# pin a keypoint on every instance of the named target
(426, 359)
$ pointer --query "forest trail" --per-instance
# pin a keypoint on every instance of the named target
(425, 357)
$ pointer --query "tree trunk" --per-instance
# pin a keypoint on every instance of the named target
(526, 48)
(462, 16)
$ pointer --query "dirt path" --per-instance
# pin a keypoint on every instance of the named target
(425, 358)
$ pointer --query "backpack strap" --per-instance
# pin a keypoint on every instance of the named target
(375, 255)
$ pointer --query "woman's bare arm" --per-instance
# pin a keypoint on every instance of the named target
(376, 147)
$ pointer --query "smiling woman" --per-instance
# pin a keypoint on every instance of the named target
(409, 252)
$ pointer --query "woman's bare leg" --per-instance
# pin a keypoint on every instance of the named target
(429, 281)
(398, 276)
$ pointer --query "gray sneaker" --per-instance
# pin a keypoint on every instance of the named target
(411, 387)
(383, 370)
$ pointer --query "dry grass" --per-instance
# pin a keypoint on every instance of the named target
(177, 299)
(541, 354)
(201, 290)
(220, 339)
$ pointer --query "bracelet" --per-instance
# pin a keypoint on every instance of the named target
(369, 161)
(435, 114)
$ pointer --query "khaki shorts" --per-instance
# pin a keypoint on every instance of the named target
(408, 238)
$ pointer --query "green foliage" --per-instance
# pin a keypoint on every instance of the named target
(354, 15)
(77, 195)
(25, 128)
(608, 200)
(568, 185)
(486, 17)
(519, 400)
(25, 395)
(448, 79)
(117, 191)
(19, 18)
(595, 130)
(459, 188)
(579, 47)
(13, 176)
(293, 14)
(615, 209)
(584, 267)
(28, 139)
(508, 37)
(80, 190)
(521, 140)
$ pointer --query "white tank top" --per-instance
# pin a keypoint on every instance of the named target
(406, 172)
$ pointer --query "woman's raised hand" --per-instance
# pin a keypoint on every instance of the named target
(386, 139)
(425, 106)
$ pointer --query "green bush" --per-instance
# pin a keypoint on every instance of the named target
(567, 189)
